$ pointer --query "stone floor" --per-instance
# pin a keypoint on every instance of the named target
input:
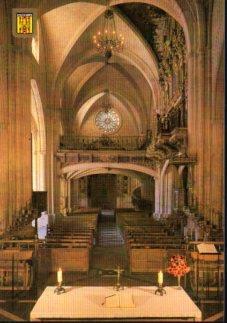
(109, 235)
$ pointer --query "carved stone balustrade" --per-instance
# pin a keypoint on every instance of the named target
(73, 142)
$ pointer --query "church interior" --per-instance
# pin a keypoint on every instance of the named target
(111, 164)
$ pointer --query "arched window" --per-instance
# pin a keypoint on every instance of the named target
(38, 140)
(35, 43)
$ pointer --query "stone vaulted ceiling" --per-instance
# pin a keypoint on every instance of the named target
(78, 75)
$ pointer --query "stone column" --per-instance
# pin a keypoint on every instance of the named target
(169, 195)
(53, 166)
(69, 195)
(157, 196)
(15, 74)
(208, 136)
(191, 91)
(200, 132)
(217, 144)
(4, 121)
(42, 161)
(161, 185)
(196, 75)
(38, 170)
(63, 195)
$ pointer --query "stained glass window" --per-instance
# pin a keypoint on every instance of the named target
(107, 121)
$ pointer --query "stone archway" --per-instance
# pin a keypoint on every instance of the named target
(75, 172)
(38, 140)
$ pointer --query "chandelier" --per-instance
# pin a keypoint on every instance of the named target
(107, 40)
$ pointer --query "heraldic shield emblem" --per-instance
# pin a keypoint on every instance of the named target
(24, 22)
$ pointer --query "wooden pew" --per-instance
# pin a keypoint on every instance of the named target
(66, 236)
(69, 241)
(68, 245)
(72, 241)
(146, 260)
(19, 261)
(130, 235)
(68, 258)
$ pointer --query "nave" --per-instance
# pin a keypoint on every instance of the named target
(112, 159)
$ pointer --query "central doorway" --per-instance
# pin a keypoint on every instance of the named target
(102, 191)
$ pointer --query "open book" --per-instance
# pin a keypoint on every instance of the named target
(122, 300)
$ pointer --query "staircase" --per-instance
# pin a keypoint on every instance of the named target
(109, 235)
(109, 251)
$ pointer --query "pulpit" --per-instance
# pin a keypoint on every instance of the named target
(207, 271)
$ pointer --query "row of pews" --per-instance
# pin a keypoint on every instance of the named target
(148, 242)
(16, 269)
(69, 241)
(67, 245)
(17, 252)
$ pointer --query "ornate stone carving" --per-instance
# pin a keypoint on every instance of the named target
(73, 142)
(179, 139)
(176, 118)
(182, 159)
(172, 146)
(166, 38)
(156, 154)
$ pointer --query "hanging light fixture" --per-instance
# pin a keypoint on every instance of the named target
(107, 40)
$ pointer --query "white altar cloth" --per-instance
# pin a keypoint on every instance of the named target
(86, 302)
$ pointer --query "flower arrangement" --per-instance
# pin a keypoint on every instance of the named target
(178, 267)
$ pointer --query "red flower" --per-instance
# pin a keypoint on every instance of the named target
(178, 266)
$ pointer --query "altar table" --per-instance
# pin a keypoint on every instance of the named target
(87, 303)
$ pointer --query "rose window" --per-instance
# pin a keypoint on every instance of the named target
(107, 121)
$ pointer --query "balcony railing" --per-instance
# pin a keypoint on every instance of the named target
(72, 142)
(176, 118)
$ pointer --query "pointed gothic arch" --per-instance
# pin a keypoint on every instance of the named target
(38, 140)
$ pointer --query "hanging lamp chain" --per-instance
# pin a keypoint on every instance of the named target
(107, 41)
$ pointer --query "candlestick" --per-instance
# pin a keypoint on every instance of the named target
(59, 275)
(59, 289)
(160, 290)
(160, 277)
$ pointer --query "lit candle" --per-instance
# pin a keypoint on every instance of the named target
(59, 275)
(160, 278)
